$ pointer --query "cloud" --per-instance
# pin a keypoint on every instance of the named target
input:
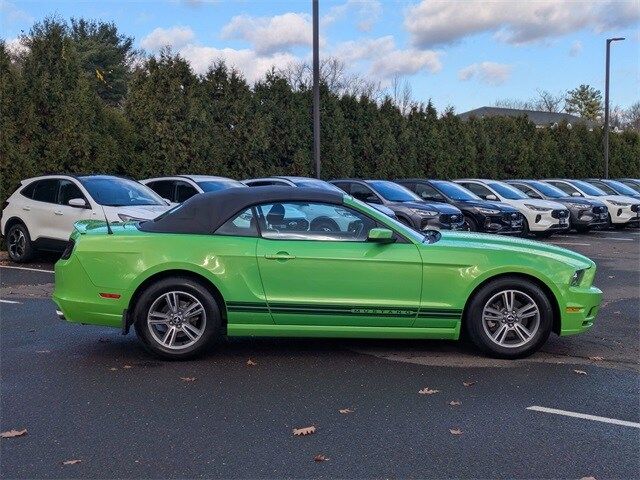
(356, 50)
(271, 34)
(490, 73)
(437, 22)
(576, 49)
(174, 37)
(366, 13)
(11, 14)
(15, 47)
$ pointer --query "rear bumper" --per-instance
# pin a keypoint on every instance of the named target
(580, 309)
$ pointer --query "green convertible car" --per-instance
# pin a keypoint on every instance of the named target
(298, 262)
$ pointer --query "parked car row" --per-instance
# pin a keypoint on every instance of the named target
(40, 214)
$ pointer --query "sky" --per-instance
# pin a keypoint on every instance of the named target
(460, 53)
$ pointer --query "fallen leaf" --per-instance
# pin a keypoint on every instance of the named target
(455, 403)
(468, 383)
(251, 363)
(113, 369)
(127, 366)
(13, 433)
(320, 458)
(588, 478)
(617, 312)
(188, 379)
(612, 276)
(31, 330)
(596, 359)
(43, 351)
(427, 391)
(455, 431)
(344, 411)
(71, 462)
(304, 431)
(580, 372)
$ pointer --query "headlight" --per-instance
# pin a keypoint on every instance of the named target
(423, 213)
(128, 218)
(619, 204)
(538, 209)
(576, 278)
(487, 211)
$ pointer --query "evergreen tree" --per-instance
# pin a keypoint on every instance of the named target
(585, 101)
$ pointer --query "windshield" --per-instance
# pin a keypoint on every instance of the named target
(394, 192)
(120, 192)
(621, 188)
(588, 188)
(507, 191)
(454, 191)
(311, 183)
(215, 185)
(548, 190)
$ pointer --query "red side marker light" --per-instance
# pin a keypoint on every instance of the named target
(115, 296)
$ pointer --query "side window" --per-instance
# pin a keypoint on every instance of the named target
(345, 186)
(313, 221)
(565, 187)
(164, 188)
(427, 192)
(184, 191)
(242, 225)
(478, 189)
(68, 190)
(47, 190)
(263, 183)
(28, 190)
(530, 192)
(364, 194)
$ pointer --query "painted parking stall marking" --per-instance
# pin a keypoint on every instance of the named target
(9, 301)
(584, 416)
(27, 269)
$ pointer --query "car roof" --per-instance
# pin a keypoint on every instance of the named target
(205, 213)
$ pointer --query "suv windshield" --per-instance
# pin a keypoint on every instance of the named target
(215, 185)
(548, 190)
(507, 191)
(588, 188)
(119, 192)
(393, 192)
(454, 191)
(620, 187)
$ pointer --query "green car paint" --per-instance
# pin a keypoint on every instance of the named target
(408, 289)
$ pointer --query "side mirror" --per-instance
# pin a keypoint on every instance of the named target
(380, 235)
(168, 202)
(491, 196)
(78, 203)
(576, 194)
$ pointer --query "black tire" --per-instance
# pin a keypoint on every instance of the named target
(479, 333)
(19, 245)
(471, 223)
(525, 228)
(191, 289)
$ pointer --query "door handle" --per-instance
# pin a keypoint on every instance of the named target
(26, 209)
(279, 256)
(58, 212)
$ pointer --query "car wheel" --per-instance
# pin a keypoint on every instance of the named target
(509, 318)
(177, 318)
(471, 223)
(19, 245)
(525, 228)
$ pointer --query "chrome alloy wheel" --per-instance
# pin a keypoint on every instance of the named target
(17, 243)
(176, 320)
(511, 318)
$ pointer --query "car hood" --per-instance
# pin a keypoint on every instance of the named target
(619, 198)
(588, 202)
(503, 207)
(381, 208)
(540, 203)
(485, 241)
(436, 206)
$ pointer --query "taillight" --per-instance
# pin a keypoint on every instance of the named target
(68, 250)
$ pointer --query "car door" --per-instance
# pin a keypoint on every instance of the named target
(165, 188)
(566, 188)
(335, 278)
(480, 190)
(40, 211)
(65, 213)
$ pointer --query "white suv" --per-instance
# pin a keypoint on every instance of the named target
(179, 188)
(542, 217)
(40, 214)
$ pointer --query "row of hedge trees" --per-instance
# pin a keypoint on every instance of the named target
(76, 100)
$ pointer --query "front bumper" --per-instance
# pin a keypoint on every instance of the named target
(503, 224)
(589, 217)
(579, 310)
(443, 222)
(549, 221)
(624, 215)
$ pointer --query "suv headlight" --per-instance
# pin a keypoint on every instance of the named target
(577, 277)
(619, 204)
(423, 213)
(487, 211)
(537, 209)
(128, 218)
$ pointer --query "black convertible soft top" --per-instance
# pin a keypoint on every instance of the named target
(204, 213)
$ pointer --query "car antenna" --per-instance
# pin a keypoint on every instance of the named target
(109, 231)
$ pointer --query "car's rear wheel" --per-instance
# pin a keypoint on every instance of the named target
(19, 245)
(509, 318)
(177, 318)
(472, 225)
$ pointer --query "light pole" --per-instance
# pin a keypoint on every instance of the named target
(606, 107)
(316, 89)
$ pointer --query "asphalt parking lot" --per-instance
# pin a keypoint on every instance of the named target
(90, 394)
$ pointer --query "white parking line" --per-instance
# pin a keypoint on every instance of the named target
(8, 301)
(618, 239)
(572, 243)
(27, 268)
(584, 416)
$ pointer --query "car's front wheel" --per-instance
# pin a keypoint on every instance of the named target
(177, 318)
(510, 317)
(19, 245)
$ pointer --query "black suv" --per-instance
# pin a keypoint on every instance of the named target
(585, 213)
(479, 215)
(409, 208)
